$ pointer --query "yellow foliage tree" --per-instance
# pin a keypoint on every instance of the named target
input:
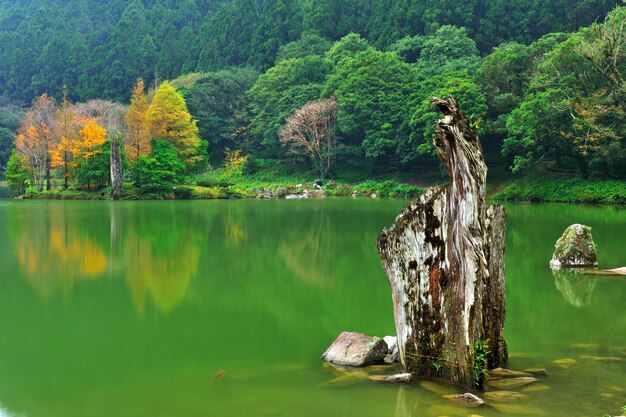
(63, 153)
(137, 140)
(93, 136)
(170, 120)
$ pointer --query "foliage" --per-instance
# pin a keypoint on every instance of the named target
(234, 162)
(137, 139)
(310, 131)
(216, 101)
(16, 174)
(280, 91)
(480, 355)
(373, 90)
(170, 120)
(308, 44)
(102, 48)
(563, 190)
(95, 171)
(158, 172)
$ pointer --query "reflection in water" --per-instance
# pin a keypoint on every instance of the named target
(575, 286)
(308, 254)
(54, 255)
(163, 277)
(6, 413)
(157, 259)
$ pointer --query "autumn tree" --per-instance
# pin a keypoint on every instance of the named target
(93, 137)
(62, 154)
(310, 131)
(137, 140)
(35, 139)
(171, 121)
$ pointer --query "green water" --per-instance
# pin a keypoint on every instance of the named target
(222, 308)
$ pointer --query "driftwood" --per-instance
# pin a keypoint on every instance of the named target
(444, 259)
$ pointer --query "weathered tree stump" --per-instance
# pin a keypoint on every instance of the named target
(444, 258)
(116, 167)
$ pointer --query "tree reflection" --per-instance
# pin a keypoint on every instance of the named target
(53, 254)
(157, 255)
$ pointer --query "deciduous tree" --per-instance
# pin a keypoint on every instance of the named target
(137, 140)
(310, 131)
(171, 121)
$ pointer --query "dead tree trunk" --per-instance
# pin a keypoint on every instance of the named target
(116, 168)
(444, 259)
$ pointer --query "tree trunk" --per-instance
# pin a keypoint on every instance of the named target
(116, 169)
(444, 259)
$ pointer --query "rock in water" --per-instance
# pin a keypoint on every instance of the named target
(356, 349)
(404, 378)
(575, 248)
(467, 399)
(504, 384)
(392, 343)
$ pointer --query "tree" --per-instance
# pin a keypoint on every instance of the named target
(64, 151)
(35, 139)
(137, 140)
(217, 100)
(310, 131)
(171, 121)
(93, 137)
(281, 90)
(308, 44)
(374, 91)
(158, 172)
(16, 174)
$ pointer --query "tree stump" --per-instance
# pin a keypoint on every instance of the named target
(116, 168)
(444, 259)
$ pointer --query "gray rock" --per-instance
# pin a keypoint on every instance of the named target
(317, 194)
(356, 349)
(395, 355)
(280, 193)
(392, 343)
(405, 378)
(575, 248)
(467, 399)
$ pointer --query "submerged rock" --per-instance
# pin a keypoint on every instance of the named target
(356, 349)
(467, 399)
(404, 378)
(499, 373)
(564, 363)
(575, 248)
(537, 371)
(511, 382)
(504, 396)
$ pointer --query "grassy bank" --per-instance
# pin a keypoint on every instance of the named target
(563, 190)
(242, 188)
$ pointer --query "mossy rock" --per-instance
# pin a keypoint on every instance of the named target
(575, 248)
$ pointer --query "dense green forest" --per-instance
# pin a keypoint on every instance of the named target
(542, 82)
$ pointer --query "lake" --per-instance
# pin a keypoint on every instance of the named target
(223, 308)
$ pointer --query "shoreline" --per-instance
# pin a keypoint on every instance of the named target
(530, 189)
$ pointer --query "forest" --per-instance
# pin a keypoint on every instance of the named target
(201, 92)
